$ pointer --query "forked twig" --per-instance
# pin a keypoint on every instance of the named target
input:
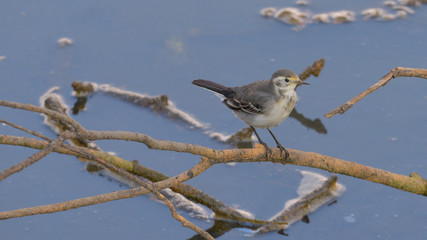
(394, 73)
(33, 158)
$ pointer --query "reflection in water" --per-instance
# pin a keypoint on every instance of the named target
(314, 191)
(79, 105)
(81, 91)
(221, 227)
(315, 124)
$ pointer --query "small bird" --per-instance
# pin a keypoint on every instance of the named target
(261, 104)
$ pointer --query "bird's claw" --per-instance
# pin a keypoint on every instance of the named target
(268, 151)
(282, 149)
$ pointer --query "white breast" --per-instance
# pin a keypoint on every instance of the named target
(278, 112)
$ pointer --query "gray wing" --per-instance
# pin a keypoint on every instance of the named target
(251, 98)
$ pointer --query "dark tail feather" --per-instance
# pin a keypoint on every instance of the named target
(216, 87)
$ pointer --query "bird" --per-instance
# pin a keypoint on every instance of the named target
(261, 104)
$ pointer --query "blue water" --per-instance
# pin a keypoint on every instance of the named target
(158, 48)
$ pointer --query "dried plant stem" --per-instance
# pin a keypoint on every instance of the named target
(34, 133)
(394, 73)
(33, 158)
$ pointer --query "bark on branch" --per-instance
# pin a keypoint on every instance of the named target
(394, 73)
(257, 154)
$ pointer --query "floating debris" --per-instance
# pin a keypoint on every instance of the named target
(63, 42)
(159, 104)
(2, 58)
(301, 2)
(315, 190)
(268, 12)
(389, 3)
(373, 13)
(401, 14)
(181, 202)
(321, 18)
(292, 16)
(175, 45)
(404, 8)
(388, 17)
(300, 19)
(415, 3)
(350, 218)
(343, 16)
(83, 88)
(55, 102)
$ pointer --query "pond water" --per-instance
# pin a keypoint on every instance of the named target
(159, 47)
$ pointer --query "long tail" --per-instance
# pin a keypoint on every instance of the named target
(216, 87)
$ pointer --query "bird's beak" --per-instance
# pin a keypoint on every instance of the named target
(302, 83)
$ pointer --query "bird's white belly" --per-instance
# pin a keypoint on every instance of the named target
(275, 115)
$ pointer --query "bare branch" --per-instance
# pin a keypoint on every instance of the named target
(102, 198)
(394, 73)
(257, 154)
(53, 114)
(34, 133)
(33, 158)
(148, 185)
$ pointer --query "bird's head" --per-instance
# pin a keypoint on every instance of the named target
(285, 79)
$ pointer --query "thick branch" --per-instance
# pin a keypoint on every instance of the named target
(309, 159)
(394, 73)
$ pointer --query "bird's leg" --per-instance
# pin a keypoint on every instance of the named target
(282, 149)
(267, 149)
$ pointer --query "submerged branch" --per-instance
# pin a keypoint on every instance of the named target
(394, 73)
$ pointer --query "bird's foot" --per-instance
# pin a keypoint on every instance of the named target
(283, 150)
(268, 151)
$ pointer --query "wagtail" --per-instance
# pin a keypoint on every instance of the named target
(261, 104)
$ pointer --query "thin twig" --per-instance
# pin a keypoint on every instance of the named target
(34, 133)
(102, 198)
(29, 107)
(394, 73)
(33, 158)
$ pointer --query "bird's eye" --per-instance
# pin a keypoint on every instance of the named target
(286, 79)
